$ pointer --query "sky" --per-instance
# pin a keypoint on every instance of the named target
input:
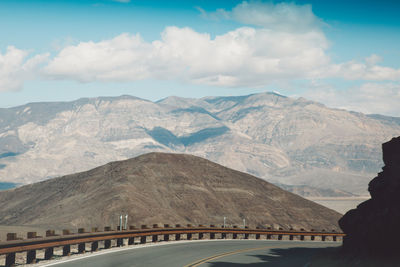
(344, 54)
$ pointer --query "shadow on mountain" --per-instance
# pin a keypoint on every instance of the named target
(167, 138)
(275, 258)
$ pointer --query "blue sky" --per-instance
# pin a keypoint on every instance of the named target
(344, 54)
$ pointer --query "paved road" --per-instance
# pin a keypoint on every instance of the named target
(220, 253)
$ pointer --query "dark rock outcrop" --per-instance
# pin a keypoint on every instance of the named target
(374, 227)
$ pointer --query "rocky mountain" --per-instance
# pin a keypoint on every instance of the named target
(280, 139)
(160, 188)
(372, 229)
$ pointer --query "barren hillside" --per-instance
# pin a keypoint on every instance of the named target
(160, 188)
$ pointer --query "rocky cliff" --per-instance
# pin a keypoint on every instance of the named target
(374, 227)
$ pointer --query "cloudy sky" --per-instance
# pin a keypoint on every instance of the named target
(345, 54)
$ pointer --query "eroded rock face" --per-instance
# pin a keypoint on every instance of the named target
(374, 227)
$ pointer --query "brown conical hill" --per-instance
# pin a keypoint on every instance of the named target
(160, 188)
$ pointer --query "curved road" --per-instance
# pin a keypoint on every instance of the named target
(219, 253)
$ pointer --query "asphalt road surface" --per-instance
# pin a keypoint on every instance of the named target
(220, 253)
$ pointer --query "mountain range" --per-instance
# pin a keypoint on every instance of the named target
(289, 141)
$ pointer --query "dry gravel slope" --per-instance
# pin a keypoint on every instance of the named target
(160, 188)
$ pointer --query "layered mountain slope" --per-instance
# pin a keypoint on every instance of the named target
(160, 188)
(280, 139)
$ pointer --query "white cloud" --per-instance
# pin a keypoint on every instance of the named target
(15, 68)
(369, 98)
(243, 57)
(368, 70)
(122, 58)
(280, 16)
(287, 45)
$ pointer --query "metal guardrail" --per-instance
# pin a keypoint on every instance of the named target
(48, 243)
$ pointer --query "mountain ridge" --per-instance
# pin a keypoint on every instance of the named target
(281, 139)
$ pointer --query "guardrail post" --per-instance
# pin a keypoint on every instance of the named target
(212, 235)
(333, 237)
(48, 253)
(107, 243)
(279, 237)
(189, 236)
(312, 238)
(155, 237)
(10, 259)
(120, 242)
(246, 236)
(291, 237)
(234, 236)
(143, 238)
(257, 236)
(302, 237)
(95, 246)
(269, 236)
(223, 235)
(177, 237)
(131, 240)
(66, 250)
(323, 237)
(201, 235)
(81, 248)
(166, 237)
(31, 256)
